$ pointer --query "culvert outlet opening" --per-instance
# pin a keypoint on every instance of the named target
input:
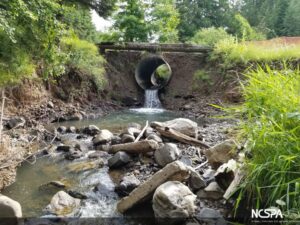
(153, 73)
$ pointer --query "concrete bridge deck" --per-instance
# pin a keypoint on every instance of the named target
(153, 47)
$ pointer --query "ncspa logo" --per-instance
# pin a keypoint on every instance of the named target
(271, 213)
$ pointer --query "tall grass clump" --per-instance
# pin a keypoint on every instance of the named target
(84, 57)
(272, 127)
(233, 52)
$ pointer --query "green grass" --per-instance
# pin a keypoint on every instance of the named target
(233, 52)
(272, 127)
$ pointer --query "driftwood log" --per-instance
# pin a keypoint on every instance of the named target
(178, 136)
(135, 147)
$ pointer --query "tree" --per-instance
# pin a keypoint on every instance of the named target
(130, 21)
(269, 15)
(103, 7)
(78, 17)
(195, 15)
(292, 19)
(164, 21)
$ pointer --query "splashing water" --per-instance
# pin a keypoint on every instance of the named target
(151, 99)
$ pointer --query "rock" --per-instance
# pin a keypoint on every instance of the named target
(173, 171)
(233, 187)
(119, 159)
(134, 125)
(212, 191)
(196, 181)
(9, 208)
(211, 217)
(50, 105)
(62, 129)
(98, 154)
(220, 153)
(185, 126)
(166, 153)
(74, 153)
(155, 138)
(105, 147)
(133, 131)
(127, 184)
(103, 137)
(85, 165)
(127, 138)
(62, 204)
(76, 116)
(76, 194)
(15, 123)
(91, 130)
(225, 174)
(63, 148)
(116, 140)
(209, 175)
(72, 129)
(173, 200)
(186, 160)
(149, 131)
(57, 184)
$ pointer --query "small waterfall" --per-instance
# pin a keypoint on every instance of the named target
(151, 99)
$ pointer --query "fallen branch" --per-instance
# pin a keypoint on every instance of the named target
(176, 135)
(135, 147)
(142, 132)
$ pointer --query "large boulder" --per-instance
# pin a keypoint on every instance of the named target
(173, 171)
(167, 153)
(185, 126)
(173, 200)
(221, 153)
(9, 208)
(103, 137)
(62, 204)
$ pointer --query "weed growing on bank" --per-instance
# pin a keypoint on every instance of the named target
(84, 57)
(272, 127)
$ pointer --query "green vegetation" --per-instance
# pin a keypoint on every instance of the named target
(233, 52)
(272, 128)
(163, 71)
(210, 36)
(31, 33)
(83, 57)
(203, 76)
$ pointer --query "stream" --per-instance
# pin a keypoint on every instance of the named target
(28, 192)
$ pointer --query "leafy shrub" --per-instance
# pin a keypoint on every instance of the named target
(84, 57)
(272, 128)
(210, 36)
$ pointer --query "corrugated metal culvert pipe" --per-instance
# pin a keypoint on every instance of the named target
(153, 73)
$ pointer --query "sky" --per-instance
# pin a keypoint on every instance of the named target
(100, 23)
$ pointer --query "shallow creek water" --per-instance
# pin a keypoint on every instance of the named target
(27, 188)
